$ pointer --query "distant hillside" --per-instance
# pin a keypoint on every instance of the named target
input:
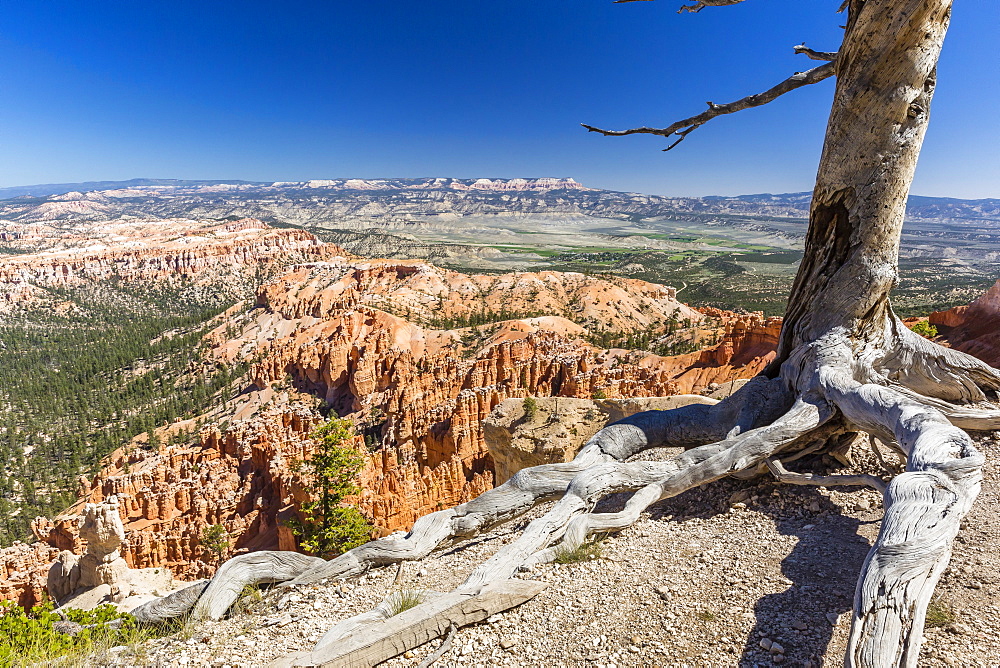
(45, 189)
(460, 196)
(917, 206)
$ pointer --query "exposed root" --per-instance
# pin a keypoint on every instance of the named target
(169, 607)
(690, 426)
(963, 417)
(754, 431)
(935, 371)
(247, 569)
(569, 518)
(693, 468)
(782, 474)
(923, 510)
(755, 403)
(381, 612)
(440, 651)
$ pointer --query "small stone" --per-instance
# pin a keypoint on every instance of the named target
(507, 643)
(799, 625)
(69, 628)
(408, 654)
(664, 592)
(832, 618)
(765, 643)
(863, 505)
(959, 629)
(777, 649)
(778, 658)
(635, 640)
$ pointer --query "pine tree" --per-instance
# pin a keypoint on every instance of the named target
(328, 526)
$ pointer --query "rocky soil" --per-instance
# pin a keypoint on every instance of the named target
(735, 573)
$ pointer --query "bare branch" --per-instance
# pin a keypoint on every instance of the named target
(815, 55)
(783, 475)
(701, 4)
(440, 651)
(682, 128)
(697, 7)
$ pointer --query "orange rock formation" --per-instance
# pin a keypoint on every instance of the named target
(975, 328)
(348, 332)
(148, 251)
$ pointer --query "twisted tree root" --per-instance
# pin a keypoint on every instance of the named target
(923, 510)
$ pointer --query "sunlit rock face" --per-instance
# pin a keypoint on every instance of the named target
(975, 328)
(164, 251)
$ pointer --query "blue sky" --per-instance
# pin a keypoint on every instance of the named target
(290, 91)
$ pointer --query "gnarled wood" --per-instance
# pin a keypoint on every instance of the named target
(412, 628)
(923, 510)
(845, 363)
(175, 605)
(248, 569)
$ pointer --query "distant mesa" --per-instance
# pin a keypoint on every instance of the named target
(539, 184)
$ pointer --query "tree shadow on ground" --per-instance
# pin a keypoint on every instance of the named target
(822, 568)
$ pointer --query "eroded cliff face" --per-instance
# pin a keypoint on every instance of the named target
(975, 328)
(377, 341)
(162, 251)
(23, 570)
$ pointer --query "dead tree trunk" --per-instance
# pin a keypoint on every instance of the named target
(845, 364)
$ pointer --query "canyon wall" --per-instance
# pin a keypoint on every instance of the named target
(163, 252)
(325, 341)
(975, 328)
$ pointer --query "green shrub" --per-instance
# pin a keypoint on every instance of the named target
(939, 614)
(27, 637)
(530, 408)
(405, 599)
(583, 552)
(328, 527)
(598, 394)
(925, 329)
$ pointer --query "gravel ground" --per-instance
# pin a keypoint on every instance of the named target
(733, 574)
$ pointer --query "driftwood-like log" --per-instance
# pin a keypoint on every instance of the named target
(412, 628)
(170, 607)
(248, 569)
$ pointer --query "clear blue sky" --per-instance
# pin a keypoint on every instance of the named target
(299, 90)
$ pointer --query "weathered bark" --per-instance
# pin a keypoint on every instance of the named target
(885, 80)
(390, 636)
